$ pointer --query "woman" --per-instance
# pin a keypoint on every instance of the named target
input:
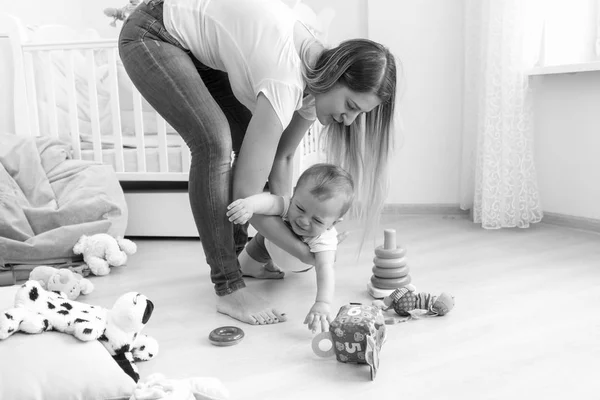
(246, 76)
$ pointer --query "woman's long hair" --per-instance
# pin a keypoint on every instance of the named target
(364, 147)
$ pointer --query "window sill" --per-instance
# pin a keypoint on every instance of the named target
(565, 68)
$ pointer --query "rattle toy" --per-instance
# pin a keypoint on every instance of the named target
(356, 335)
(226, 336)
(390, 269)
(404, 300)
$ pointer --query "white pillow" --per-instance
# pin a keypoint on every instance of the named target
(55, 365)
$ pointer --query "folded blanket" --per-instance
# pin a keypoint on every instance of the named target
(48, 200)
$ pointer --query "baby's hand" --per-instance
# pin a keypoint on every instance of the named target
(319, 317)
(240, 211)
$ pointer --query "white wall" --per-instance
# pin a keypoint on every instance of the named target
(350, 18)
(567, 142)
(427, 38)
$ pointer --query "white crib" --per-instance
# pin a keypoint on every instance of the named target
(72, 85)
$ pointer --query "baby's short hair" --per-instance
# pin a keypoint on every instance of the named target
(327, 181)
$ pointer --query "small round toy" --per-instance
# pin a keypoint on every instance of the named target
(226, 336)
(323, 336)
(390, 262)
(390, 283)
(390, 273)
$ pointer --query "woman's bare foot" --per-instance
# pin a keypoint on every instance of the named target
(247, 307)
(254, 269)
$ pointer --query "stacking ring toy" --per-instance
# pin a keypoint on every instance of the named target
(390, 283)
(389, 248)
(226, 336)
(390, 262)
(390, 272)
(382, 252)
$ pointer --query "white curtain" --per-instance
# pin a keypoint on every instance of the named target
(498, 177)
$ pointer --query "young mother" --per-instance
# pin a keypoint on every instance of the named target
(246, 76)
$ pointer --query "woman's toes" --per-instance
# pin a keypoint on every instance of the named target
(272, 317)
(266, 317)
(279, 315)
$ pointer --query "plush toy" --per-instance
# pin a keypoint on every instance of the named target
(118, 329)
(404, 301)
(121, 14)
(61, 280)
(101, 251)
(157, 386)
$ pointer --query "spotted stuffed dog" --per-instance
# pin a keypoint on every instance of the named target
(118, 329)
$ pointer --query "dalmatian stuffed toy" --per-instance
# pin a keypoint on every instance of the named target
(118, 329)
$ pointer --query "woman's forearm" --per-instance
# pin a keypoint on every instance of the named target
(273, 228)
(280, 178)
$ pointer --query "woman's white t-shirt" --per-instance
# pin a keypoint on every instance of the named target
(251, 40)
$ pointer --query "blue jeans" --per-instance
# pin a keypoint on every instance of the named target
(198, 102)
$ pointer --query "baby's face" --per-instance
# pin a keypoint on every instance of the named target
(310, 216)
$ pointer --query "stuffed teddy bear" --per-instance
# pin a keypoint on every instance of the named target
(121, 14)
(157, 386)
(61, 280)
(101, 251)
(118, 329)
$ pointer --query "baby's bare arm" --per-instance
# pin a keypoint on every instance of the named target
(241, 210)
(319, 316)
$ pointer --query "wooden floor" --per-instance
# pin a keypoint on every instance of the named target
(526, 324)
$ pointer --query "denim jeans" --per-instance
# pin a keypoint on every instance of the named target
(199, 104)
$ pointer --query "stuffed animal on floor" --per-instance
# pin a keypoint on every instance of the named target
(63, 280)
(118, 329)
(157, 386)
(404, 301)
(101, 251)
(121, 14)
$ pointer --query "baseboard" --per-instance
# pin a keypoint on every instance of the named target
(163, 213)
(571, 221)
(423, 209)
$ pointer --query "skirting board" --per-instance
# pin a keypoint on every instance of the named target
(423, 209)
(570, 221)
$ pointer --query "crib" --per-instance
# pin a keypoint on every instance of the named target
(72, 85)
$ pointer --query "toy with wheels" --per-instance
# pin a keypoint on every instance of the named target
(390, 267)
(356, 334)
(405, 302)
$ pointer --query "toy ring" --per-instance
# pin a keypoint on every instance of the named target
(226, 336)
(390, 272)
(397, 252)
(391, 283)
(390, 262)
(323, 336)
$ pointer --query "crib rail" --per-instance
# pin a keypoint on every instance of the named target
(74, 90)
